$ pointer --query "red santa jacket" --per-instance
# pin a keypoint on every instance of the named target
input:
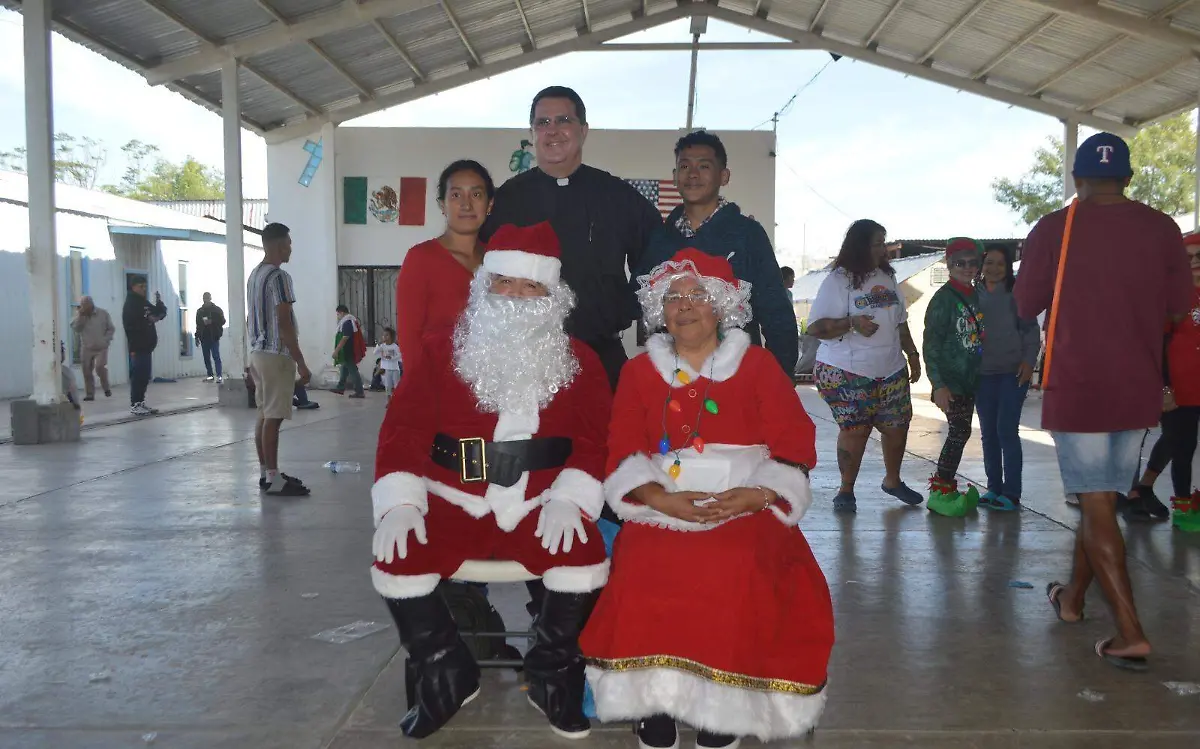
(432, 399)
(758, 436)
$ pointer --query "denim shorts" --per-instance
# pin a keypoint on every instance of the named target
(1099, 462)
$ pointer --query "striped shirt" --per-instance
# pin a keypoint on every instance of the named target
(269, 286)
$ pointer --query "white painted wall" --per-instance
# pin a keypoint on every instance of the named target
(107, 257)
(424, 152)
(321, 242)
(310, 213)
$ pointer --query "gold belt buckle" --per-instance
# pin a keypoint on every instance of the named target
(462, 460)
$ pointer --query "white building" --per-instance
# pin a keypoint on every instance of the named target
(102, 240)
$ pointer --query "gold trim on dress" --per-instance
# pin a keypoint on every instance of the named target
(728, 678)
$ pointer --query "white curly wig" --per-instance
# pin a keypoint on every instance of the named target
(731, 302)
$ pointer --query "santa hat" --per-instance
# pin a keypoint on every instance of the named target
(530, 252)
(700, 264)
(963, 244)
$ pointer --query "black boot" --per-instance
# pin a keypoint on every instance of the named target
(554, 665)
(440, 675)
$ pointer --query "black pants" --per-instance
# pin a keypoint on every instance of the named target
(139, 377)
(962, 408)
(1177, 446)
(612, 355)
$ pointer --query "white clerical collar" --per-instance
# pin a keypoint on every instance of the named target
(563, 181)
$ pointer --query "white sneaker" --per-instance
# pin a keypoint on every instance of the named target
(208, 379)
(220, 379)
(139, 409)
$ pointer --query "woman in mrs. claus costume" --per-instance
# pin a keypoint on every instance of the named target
(716, 613)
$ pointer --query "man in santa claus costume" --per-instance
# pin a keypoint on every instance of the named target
(493, 448)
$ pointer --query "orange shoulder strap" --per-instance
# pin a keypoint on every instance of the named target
(1056, 302)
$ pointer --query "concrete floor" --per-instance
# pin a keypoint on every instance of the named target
(151, 595)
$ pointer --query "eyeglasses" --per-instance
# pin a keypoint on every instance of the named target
(562, 120)
(693, 297)
(965, 264)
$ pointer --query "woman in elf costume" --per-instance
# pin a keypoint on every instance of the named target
(715, 613)
(953, 343)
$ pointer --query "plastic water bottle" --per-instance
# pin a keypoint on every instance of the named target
(343, 466)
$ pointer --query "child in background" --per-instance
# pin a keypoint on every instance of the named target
(953, 355)
(389, 360)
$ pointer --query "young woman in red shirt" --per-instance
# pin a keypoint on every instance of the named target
(1181, 409)
(435, 277)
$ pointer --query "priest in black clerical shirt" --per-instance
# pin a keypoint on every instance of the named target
(603, 223)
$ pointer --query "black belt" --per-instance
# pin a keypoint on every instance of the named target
(498, 462)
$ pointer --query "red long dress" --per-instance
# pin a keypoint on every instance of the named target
(727, 628)
(431, 293)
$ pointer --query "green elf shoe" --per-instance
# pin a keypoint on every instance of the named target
(956, 504)
(1186, 513)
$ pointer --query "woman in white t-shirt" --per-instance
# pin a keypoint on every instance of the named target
(861, 370)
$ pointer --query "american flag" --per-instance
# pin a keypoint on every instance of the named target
(661, 192)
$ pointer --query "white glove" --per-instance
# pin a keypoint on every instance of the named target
(391, 537)
(559, 523)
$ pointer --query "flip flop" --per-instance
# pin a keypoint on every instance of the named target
(1126, 662)
(1052, 592)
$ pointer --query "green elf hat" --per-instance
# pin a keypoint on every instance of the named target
(963, 244)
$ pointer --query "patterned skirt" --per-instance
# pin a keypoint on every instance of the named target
(858, 401)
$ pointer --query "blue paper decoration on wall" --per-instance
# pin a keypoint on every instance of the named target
(315, 154)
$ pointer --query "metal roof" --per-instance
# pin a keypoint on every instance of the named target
(254, 210)
(122, 214)
(1112, 64)
(806, 287)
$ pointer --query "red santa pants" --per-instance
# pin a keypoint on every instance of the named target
(455, 537)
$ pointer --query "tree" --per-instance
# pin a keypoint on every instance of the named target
(189, 180)
(1164, 173)
(77, 161)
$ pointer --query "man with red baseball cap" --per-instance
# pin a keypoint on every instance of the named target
(493, 447)
(1111, 271)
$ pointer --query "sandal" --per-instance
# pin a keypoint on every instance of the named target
(1053, 590)
(1126, 662)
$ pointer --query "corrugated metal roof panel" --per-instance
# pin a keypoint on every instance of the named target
(131, 32)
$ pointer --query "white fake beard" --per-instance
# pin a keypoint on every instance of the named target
(513, 351)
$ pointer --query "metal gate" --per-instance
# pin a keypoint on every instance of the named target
(370, 293)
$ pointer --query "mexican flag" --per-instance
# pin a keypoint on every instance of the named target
(383, 200)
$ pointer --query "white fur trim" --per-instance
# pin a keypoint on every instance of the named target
(723, 363)
(397, 489)
(634, 471)
(580, 489)
(519, 264)
(508, 503)
(576, 579)
(789, 483)
(472, 504)
(403, 586)
(703, 704)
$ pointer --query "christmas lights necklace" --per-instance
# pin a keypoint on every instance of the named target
(670, 404)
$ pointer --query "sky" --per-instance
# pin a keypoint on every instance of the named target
(859, 141)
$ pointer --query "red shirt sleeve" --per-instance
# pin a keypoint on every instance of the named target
(1034, 290)
(411, 420)
(593, 409)
(626, 431)
(787, 428)
(412, 304)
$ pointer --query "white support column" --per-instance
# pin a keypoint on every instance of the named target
(235, 263)
(1071, 145)
(692, 80)
(42, 255)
